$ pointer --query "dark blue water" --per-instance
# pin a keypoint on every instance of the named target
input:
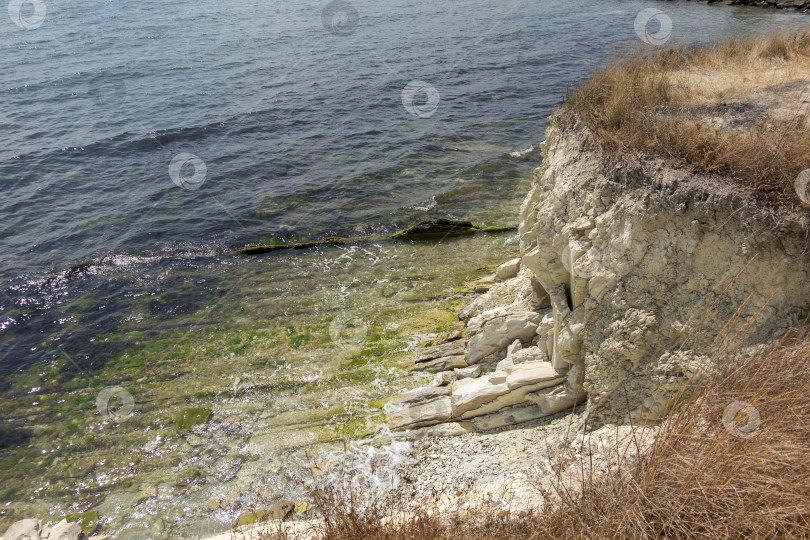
(297, 119)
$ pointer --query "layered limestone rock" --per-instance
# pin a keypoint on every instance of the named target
(634, 279)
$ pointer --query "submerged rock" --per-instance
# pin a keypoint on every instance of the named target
(258, 250)
(191, 417)
(436, 229)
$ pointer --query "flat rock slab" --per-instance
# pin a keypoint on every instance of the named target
(531, 373)
(470, 394)
(444, 363)
(422, 414)
(431, 353)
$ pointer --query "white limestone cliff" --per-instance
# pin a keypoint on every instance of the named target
(634, 279)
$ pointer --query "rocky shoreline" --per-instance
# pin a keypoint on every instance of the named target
(800, 5)
(630, 274)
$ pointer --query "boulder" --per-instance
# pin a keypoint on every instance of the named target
(529, 354)
(557, 399)
(514, 347)
(496, 334)
(64, 531)
(512, 291)
(25, 529)
(443, 378)
(467, 372)
(504, 364)
(508, 270)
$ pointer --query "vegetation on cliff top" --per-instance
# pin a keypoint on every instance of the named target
(738, 109)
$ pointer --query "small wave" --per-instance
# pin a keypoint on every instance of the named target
(521, 153)
(424, 206)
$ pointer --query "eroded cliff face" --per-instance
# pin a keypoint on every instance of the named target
(634, 279)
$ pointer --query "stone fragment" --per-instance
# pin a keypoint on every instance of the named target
(65, 531)
(496, 334)
(557, 399)
(449, 429)
(445, 363)
(431, 353)
(507, 416)
(514, 347)
(508, 399)
(508, 270)
(500, 294)
(470, 394)
(467, 372)
(533, 373)
(428, 394)
(25, 529)
(529, 354)
(281, 509)
(423, 414)
(443, 378)
(504, 364)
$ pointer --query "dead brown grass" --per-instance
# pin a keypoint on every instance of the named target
(736, 109)
(709, 474)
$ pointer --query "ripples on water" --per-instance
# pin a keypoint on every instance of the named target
(113, 275)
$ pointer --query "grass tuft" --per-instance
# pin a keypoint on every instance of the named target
(736, 109)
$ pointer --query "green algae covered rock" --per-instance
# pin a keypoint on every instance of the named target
(191, 417)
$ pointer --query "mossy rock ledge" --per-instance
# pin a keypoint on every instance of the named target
(442, 228)
(258, 250)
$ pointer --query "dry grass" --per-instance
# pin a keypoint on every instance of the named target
(737, 109)
(701, 478)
